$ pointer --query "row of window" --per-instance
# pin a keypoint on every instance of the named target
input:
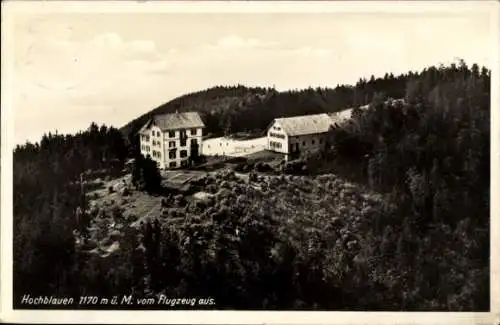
(293, 146)
(173, 164)
(313, 142)
(171, 134)
(156, 154)
(145, 148)
(277, 128)
(171, 144)
(277, 135)
(274, 144)
(172, 154)
(183, 143)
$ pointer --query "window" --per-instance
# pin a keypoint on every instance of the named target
(320, 141)
(184, 163)
(172, 164)
(193, 131)
(276, 135)
(194, 142)
(158, 133)
(171, 154)
(312, 141)
(154, 143)
(183, 142)
(171, 144)
(184, 153)
(303, 143)
(147, 148)
(274, 144)
(171, 134)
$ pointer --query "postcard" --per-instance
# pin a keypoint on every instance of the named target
(250, 162)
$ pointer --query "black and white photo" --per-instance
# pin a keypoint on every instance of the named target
(266, 160)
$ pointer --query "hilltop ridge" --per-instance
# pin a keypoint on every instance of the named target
(240, 108)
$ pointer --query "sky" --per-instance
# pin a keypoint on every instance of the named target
(69, 69)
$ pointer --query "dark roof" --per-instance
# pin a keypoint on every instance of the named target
(175, 121)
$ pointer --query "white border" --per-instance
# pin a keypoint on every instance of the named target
(9, 9)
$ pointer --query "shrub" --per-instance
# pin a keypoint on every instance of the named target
(115, 235)
(179, 200)
(263, 167)
(126, 191)
(117, 212)
(241, 167)
(211, 188)
(252, 177)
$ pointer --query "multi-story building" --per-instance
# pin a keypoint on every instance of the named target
(292, 135)
(171, 139)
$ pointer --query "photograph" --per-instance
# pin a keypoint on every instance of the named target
(248, 157)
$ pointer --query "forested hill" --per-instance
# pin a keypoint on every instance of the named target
(240, 108)
(414, 236)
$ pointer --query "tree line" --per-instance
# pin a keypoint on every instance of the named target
(424, 247)
(230, 109)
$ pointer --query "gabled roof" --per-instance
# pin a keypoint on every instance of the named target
(175, 121)
(306, 124)
(342, 116)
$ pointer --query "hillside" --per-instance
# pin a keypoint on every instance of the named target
(240, 108)
(409, 232)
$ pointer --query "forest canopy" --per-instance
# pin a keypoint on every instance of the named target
(412, 234)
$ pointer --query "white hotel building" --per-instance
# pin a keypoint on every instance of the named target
(291, 135)
(170, 139)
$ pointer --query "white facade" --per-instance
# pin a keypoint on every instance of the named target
(279, 141)
(224, 146)
(170, 148)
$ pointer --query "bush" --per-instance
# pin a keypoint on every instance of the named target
(252, 177)
(263, 167)
(179, 200)
(115, 235)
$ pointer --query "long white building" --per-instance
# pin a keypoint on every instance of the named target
(170, 139)
(291, 135)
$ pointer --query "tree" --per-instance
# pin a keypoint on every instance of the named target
(146, 175)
